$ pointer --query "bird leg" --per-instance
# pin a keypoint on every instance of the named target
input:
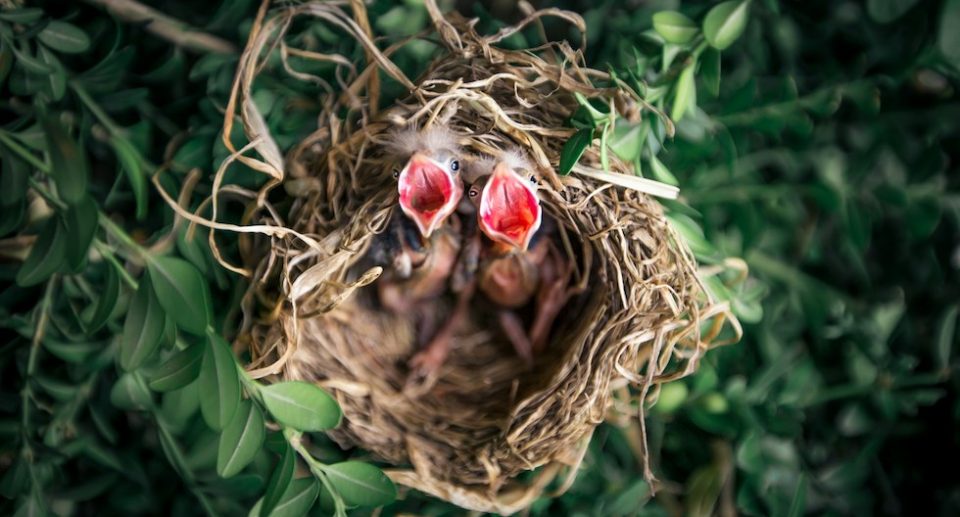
(551, 298)
(434, 354)
(513, 327)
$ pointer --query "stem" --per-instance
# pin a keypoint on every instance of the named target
(294, 438)
(112, 127)
(700, 47)
(23, 152)
(110, 257)
(117, 232)
(166, 27)
(47, 196)
(38, 333)
(95, 108)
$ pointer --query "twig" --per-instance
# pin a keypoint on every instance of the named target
(166, 27)
(373, 81)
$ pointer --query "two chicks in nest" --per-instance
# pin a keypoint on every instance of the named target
(473, 227)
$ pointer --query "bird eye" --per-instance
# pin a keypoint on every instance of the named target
(455, 165)
(472, 193)
(396, 173)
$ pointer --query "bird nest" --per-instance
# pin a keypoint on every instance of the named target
(639, 316)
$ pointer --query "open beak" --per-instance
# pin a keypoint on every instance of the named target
(509, 208)
(429, 192)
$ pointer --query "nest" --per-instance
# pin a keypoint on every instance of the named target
(640, 318)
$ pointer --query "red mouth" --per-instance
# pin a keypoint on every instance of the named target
(509, 208)
(428, 193)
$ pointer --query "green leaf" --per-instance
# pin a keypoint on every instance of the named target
(573, 150)
(946, 333)
(107, 301)
(219, 383)
(672, 396)
(46, 256)
(168, 71)
(595, 115)
(279, 480)
(685, 98)
(674, 27)
(710, 70)
(12, 216)
(15, 479)
(182, 292)
(143, 328)
(6, 61)
(56, 388)
(298, 499)
(302, 406)
(130, 393)
(661, 172)
(30, 64)
(692, 234)
(725, 23)
(69, 166)
(630, 500)
(195, 152)
(948, 38)
(628, 139)
(71, 352)
(13, 178)
(23, 16)
(32, 506)
(885, 11)
(799, 504)
(108, 75)
(80, 221)
(65, 37)
(57, 79)
(178, 371)
(361, 484)
(241, 440)
(179, 405)
(129, 160)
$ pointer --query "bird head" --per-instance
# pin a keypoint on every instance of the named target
(429, 184)
(508, 207)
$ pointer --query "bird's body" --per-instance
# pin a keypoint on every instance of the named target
(418, 269)
(519, 264)
(422, 245)
(509, 278)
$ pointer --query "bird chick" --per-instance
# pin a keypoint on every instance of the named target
(422, 245)
(419, 258)
(516, 264)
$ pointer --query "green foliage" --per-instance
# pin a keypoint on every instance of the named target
(301, 406)
(814, 144)
(119, 397)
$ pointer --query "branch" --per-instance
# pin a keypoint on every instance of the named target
(166, 27)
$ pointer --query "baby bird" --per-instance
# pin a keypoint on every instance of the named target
(422, 244)
(516, 263)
